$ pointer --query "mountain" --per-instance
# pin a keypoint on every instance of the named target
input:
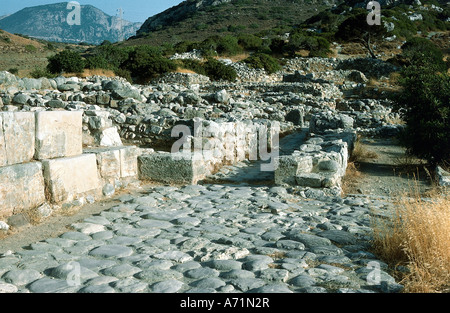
(199, 19)
(50, 22)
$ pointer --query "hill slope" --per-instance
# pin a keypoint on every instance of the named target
(198, 19)
(49, 22)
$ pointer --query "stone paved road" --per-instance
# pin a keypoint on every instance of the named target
(205, 239)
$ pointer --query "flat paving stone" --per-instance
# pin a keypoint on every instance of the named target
(21, 277)
(168, 286)
(206, 239)
(111, 251)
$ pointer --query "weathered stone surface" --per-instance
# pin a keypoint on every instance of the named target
(58, 134)
(129, 161)
(16, 137)
(21, 187)
(169, 168)
(116, 162)
(108, 162)
(67, 178)
(289, 166)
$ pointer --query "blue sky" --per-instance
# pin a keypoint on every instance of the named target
(134, 10)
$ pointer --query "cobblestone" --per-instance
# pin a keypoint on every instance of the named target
(201, 242)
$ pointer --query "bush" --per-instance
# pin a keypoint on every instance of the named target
(124, 74)
(228, 45)
(97, 62)
(66, 61)
(422, 52)
(39, 72)
(265, 61)
(194, 65)
(216, 70)
(114, 56)
(14, 71)
(30, 48)
(145, 63)
(426, 103)
(250, 42)
(317, 45)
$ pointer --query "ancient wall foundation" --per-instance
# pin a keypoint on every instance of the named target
(42, 161)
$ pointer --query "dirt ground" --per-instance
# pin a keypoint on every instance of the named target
(390, 173)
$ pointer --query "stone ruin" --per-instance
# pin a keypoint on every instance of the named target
(43, 163)
(62, 139)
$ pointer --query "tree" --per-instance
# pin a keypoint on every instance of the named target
(356, 29)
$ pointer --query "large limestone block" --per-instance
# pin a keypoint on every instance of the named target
(59, 134)
(22, 187)
(116, 162)
(177, 168)
(129, 161)
(16, 137)
(108, 163)
(288, 167)
(68, 178)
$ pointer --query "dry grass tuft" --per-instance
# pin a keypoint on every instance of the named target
(417, 236)
(360, 153)
(92, 72)
(184, 71)
(351, 179)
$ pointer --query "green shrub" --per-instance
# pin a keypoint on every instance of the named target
(97, 62)
(228, 45)
(426, 103)
(51, 46)
(264, 61)
(250, 42)
(220, 45)
(115, 56)
(423, 53)
(145, 63)
(30, 48)
(66, 61)
(212, 68)
(194, 65)
(124, 74)
(39, 72)
(216, 70)
(14, 71)
(316, 44)
(186, 46)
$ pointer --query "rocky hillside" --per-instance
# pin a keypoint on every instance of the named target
(198, 19)
(49, 22)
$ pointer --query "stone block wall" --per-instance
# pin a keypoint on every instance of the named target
(320, 162)
(17, 142)
(42, 161)
(209, 146)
